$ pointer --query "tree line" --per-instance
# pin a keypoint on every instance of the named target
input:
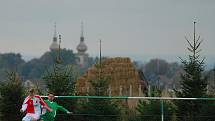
(35, 68)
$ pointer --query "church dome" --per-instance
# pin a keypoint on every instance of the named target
(54, 46)
(82, 47)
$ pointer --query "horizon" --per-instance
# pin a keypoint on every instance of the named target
(143, 59)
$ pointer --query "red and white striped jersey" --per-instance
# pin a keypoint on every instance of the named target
(33, 104)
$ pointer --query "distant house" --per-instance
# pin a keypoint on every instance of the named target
(28, 84)
(38, 84)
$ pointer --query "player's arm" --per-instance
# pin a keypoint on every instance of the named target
(24, 105)
(42, 102)
(61, 108)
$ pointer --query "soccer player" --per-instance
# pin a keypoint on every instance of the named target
(50, 116)
(32, 105)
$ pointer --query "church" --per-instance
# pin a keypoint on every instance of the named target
(82, 58)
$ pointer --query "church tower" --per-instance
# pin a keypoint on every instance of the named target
(81, 55)
(54, 45)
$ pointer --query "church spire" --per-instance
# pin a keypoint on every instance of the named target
(82, 32)
(54, 45)
(82, 48)
(82, 56)
(55, 30)
(55, 33)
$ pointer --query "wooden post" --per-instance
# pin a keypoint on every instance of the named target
(130, 90)
(120, 90)
(109, 90)
(140, 90)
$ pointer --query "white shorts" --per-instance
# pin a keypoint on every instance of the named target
(31, 116)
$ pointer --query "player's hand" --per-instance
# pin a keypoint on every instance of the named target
(21, 111)
(70, 113)
(50, 110)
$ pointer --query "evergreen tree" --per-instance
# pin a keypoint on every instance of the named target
(193, 83)
(11, 98)
(61, 81)
(99, 109)
(150, 110)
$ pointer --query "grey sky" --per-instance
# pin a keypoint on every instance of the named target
(126, 27)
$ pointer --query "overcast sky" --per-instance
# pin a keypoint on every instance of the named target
(135, 28)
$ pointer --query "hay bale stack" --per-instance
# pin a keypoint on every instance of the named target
(121, 72)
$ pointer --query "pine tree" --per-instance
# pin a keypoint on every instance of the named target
(150, 110)
(193, 82)
(99, 109)
(61, 81)
(11, 98)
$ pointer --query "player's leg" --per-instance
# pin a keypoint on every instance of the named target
(41, 118)
(27, 118)
(35, 116)
(34, 119)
